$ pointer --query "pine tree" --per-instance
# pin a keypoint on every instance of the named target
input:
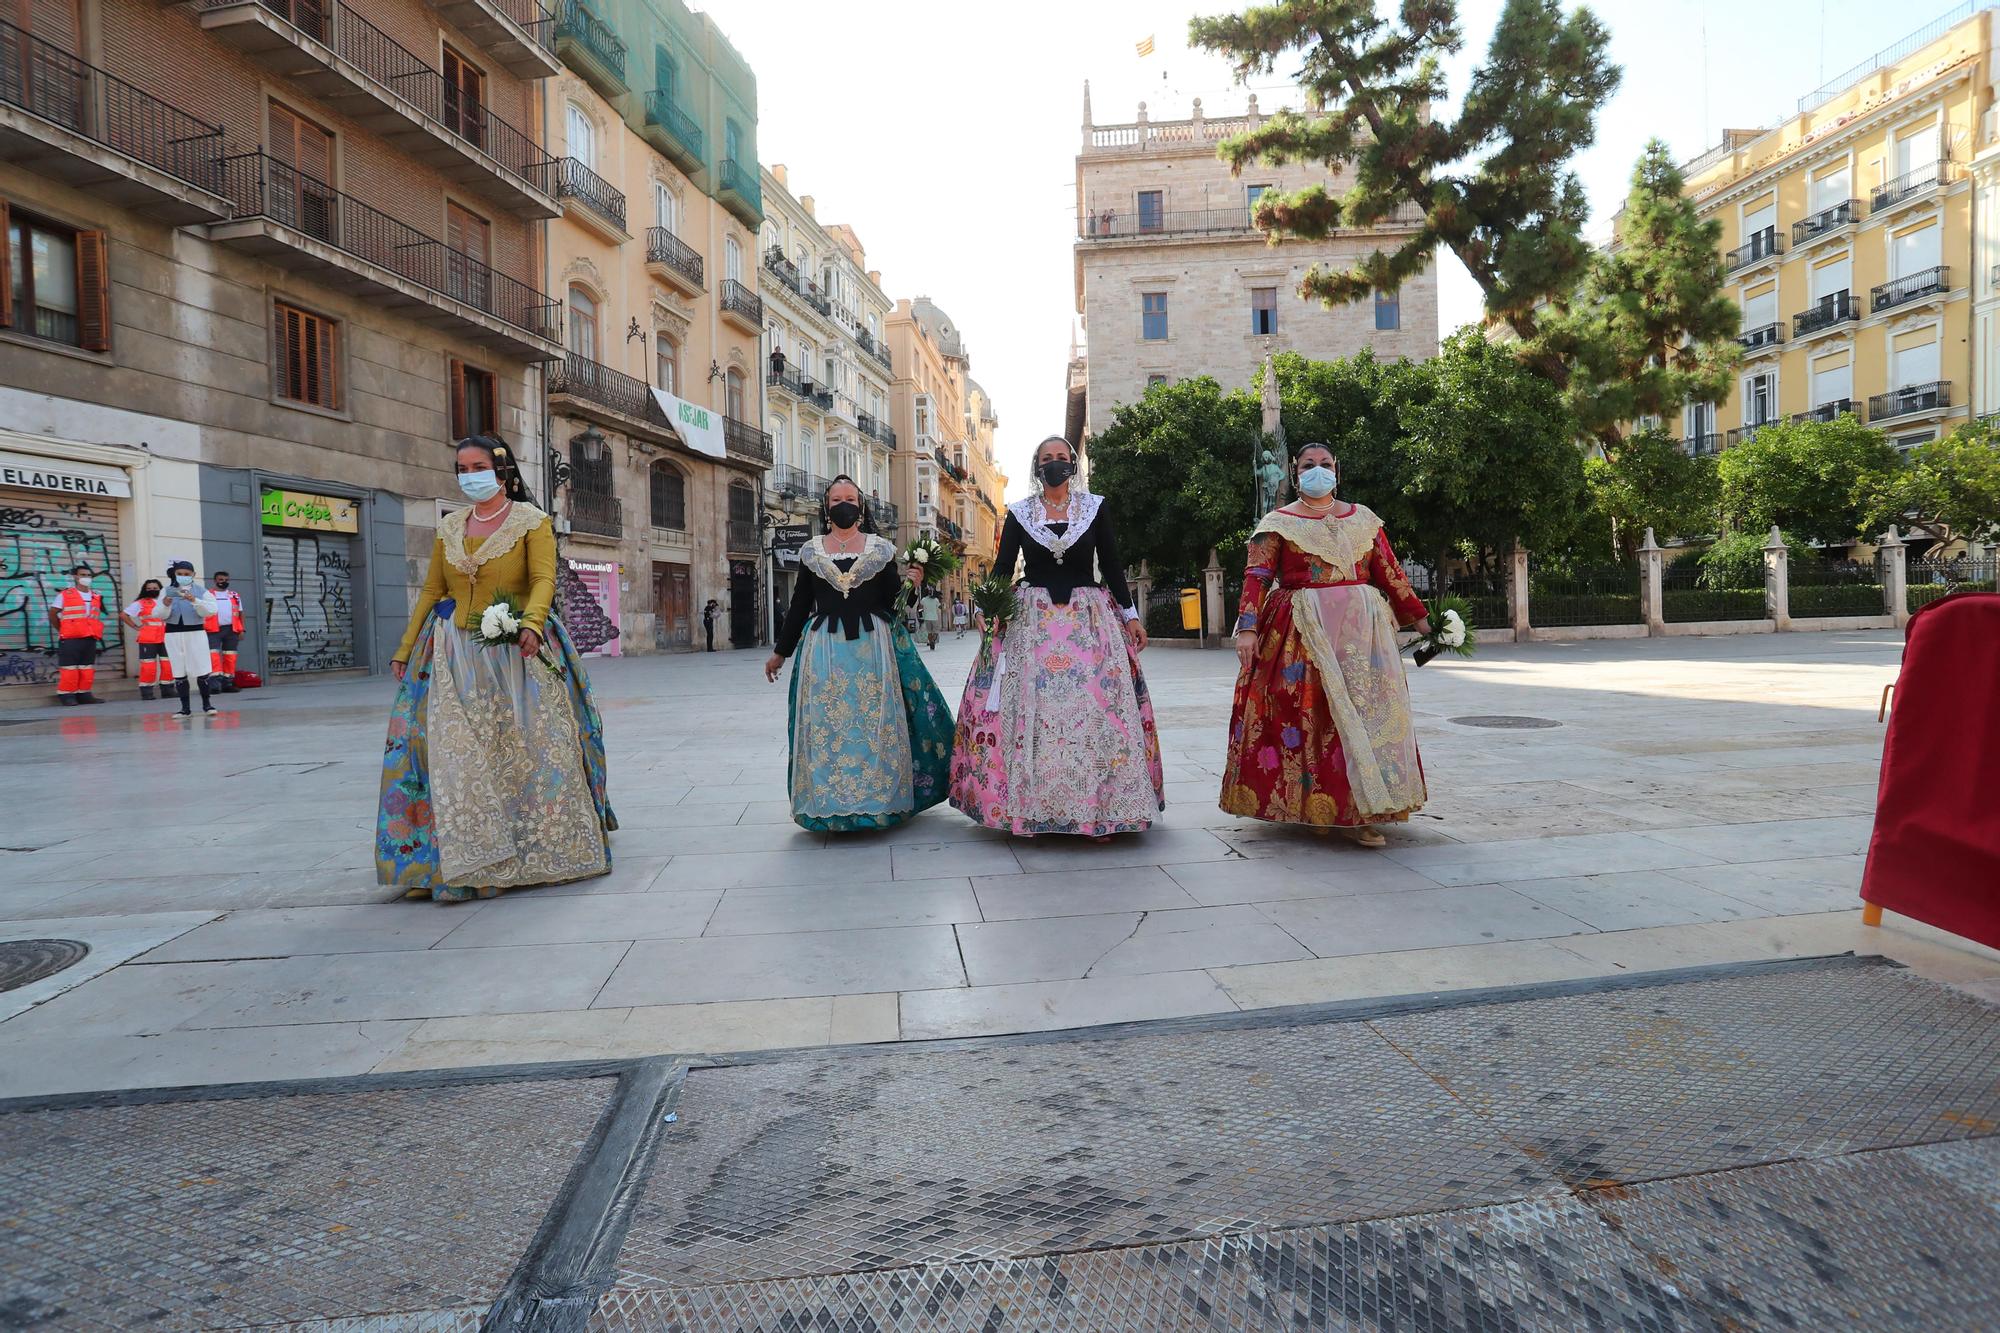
(1493, 185)
(1650, 328)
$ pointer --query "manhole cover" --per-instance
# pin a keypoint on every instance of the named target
(1507, 722)
(25, 961)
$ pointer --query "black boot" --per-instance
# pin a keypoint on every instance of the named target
(182, 686)
(206, 690)
(145, 691)
(66, 700)
(89, 698)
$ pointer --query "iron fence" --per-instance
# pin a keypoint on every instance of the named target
(746, 441)
(47, 81)
(740, 179)
(1929, 580)
(1913, 183)
(1834, 308)
(1827, 220)
(1684, 598)
(261, 186)
(663, 247)
(1822, 587)
(1484, 593)
(1607, 595)
(741, 300)
(574, 180)
(1910, 287)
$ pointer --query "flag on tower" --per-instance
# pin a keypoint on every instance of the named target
(1146, 47)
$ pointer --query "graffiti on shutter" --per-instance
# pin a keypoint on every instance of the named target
(308, 602)
(42, 537)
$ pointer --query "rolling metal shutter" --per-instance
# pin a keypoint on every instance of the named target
(308, 601)
(43, 534)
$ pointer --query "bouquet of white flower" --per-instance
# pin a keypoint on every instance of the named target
(1450, 632)
(501, 621)
(930, 560)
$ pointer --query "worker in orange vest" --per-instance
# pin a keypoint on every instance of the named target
(78, 614)
(149, 618)
(225, 631)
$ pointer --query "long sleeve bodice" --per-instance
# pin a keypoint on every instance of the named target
(522, 563)
(1095, 553)
(818, 603)
(1273, 561)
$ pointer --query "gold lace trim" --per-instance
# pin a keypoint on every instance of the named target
(1342, 541)
(521, 520)
(868, 562)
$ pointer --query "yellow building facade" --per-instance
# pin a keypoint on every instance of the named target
(983, 499)
(1849, 241)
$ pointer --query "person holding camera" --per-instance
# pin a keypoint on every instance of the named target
(188, 607)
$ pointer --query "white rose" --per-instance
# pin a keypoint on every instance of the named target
(489, 623)
(1452, 638)
(508, 623)
(1452, 620)
(922, 557)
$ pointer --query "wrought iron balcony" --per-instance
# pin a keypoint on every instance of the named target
(588, 45)
(786, 377)
(1837, 308)
(883, 512)
(745, 441)
(596, 512)
(352, 65)
(1699, 446)
(1738, 434)
(58, 110)
(519, 34)
(577, 376)
(745, 305)
(1910, 287)
(875, 429)
(1826, 222)
(1764, 245)
(741, 536)
(956, 472)
(674, 260)
(674, 131)
(1910, 400)
(874, 346)
(740, 192)
(576, 181)
(793, 483)
(1769, 335)
(950, 529)
(300, 223)
(1120, 224)
(1832, 411)
(1910, 185)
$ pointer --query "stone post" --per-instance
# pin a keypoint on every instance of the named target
(1894, 557)
(1142, 590)
(1778, 580)
(1517, 594)
(1652, 600)
(1214, 616)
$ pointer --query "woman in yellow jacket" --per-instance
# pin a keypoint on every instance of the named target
(494, 773)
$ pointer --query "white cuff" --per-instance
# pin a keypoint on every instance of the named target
(1129, 612)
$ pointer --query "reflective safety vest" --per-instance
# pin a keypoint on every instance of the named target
(150, 629)
(80, 614)
(226, 602)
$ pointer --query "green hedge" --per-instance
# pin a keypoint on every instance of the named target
(1603, 608)
(1836, 599)
(1686, 604)
(1163, 621)
(1923, 594)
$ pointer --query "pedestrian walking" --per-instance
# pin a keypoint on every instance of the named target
(961, 617)
(1055, 732)
(146, 615)
(494, 774)
(870, 734)
(189, 608)
(225, 632)
(933, 615)
(709, 614)
(1320, 730)
(78, 615)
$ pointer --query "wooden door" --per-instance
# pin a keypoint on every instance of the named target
(300, 191)
(673, 618)
(464, 98)
(468, 240)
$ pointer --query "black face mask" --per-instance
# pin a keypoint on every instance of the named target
(222, 583)
(845, 514)
(151, 592)
(1057, 471)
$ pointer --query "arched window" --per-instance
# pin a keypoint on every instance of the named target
(582, 323)
(669, 497)
(734, 401)
(667, 362)
(732, 258)
(808, 444)
(666, 209)
(580, 132)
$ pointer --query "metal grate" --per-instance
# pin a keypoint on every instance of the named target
(24, 962)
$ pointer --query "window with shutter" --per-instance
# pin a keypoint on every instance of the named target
(299, 192)
(475, 400)
(468, 239)
(55, 282)
(93, 292)
(464, 98)
(308, 369)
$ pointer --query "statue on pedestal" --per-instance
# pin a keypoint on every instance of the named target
(1270, 481)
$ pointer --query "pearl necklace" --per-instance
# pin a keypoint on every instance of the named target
(495, 516)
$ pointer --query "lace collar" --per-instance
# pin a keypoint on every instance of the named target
(1342, 540)
(869, 562)
(521, 520)
(1034, 520)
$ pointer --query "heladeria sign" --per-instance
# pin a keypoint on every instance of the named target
(699, 426)
(46, 474)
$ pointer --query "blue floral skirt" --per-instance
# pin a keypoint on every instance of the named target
(870, 733)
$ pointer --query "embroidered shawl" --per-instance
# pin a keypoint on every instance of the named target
(877, 553)
(1034, 519)
(1343, 541)
(521, 520)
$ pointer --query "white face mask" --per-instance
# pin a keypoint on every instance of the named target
(83, 580)
(183, 580)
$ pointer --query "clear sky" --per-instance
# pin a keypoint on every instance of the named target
(946, 134)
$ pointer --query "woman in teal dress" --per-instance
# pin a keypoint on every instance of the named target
(870, 734)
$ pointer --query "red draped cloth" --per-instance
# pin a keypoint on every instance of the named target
(1935, 854)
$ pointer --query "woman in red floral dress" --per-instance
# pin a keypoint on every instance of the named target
(1320, 731)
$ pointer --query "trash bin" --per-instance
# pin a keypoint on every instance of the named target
(1191, 609)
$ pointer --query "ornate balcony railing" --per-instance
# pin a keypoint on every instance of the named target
(874, 346)
(882, 511)
(1764, 245)
(1836, 308)
(580, 377)
(1910, 287)
(1832, 411)
(1698, 446)
(957, 473)
(950, 529)
(741, 300)
(262, 186)
(678, 122)
(65, 90)
(1738, 434)
(786, 377)
(1910, 184)
(574, 180)
(1909, 400)
(746, 441)
(1769, 335)
(663, 247)
(1843, 214)
(575, 23)
(740, 179)
(403, 73)
(595, 512)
